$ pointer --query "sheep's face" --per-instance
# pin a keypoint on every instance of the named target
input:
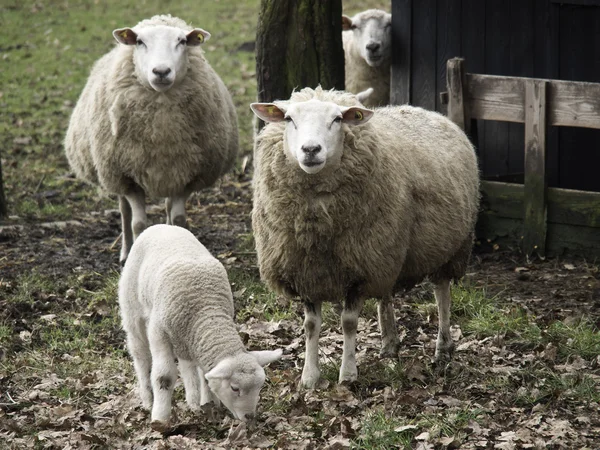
(372, 31)
(314, 135)
(237, 381)
(160, 53)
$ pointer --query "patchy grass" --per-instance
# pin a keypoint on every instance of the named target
(379, 432)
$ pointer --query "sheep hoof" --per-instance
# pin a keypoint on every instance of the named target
(310, 381)
(390, 350)
(160, 426)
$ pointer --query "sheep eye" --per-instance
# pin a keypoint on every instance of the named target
(182, 41)
(338, 119)
(139, 42)
(235, 389)
(353, 27)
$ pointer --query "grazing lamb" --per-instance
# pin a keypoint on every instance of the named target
(367, 48)
(351, 203)
(153, 119)
(176, 301)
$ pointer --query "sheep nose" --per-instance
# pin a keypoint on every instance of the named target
(161, 71)
(373, 47)
(311, 149)
(249, 417)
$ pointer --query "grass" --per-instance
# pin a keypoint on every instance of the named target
(379, 433)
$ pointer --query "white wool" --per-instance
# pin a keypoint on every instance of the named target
(176, 302)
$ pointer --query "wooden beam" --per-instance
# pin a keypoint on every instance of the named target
(570, 103)
(401, 52)
(455, 82)
(534, 237)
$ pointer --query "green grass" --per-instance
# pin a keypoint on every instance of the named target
(378, 433)
(581, 339)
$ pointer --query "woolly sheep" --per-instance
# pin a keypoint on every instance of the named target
(153, 119)
(351, 203)
(176, 301)
(367, 49)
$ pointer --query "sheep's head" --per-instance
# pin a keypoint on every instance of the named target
(314, 135)
(237, 381)
(160, 53)
(372, 31)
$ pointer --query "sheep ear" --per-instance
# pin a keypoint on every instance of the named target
(346, 22)
(221, 370)
(356, 115)
(197, 36)
(268, 112)
(125, 36)
(364, 95)
(265, 357)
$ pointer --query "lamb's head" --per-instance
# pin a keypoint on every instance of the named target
(237, 381)
(160, 54)
(314, 133)
(372, 30)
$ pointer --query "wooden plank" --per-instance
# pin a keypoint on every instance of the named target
(455, 79)
(535, 206)
(401, 52)
(578, 2)
(565, 206)
(448, 42)
(423, 89)
(575, 104)
(496, 98)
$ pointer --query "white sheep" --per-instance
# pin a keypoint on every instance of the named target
(154, 119)
(351, 203)
(367, 41)
(176, 301)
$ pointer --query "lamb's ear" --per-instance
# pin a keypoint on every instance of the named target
(125, 36)
(269, 112)
(221, 370)
(356, 115)
(197, 36)
(265, 357)
(346, 22)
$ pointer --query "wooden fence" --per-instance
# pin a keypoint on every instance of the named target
(545, 220)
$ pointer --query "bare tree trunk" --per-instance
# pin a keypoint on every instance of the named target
(3, 205)
(298, 44)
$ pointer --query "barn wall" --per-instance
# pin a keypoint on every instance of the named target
(532, 38)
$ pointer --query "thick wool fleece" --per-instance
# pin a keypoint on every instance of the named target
(172, 281)
(400, 206)
(360, 76)
(123, 132)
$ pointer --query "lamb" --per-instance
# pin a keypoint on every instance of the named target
(351, 203)
(176, 301)
(154, 119)
(367, 50)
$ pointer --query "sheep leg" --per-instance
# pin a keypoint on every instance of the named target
(138, 346)
(192, 384)
(137, 200)
(444, 346)
(390, 344)
(176, 211)
(125, 208)
(312, 329)
(350, 313)
(163, 376)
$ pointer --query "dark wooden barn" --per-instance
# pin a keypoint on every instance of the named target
(544, 39)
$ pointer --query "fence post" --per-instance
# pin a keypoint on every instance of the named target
(535, 189)
(456, 81)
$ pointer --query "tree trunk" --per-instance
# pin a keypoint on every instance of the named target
(298, 45)
(3, 205)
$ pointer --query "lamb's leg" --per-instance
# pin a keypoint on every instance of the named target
(192, 383)
(138, 346)
(125, 208)
(390, 344)
(176, 211)
(206, 394)
(312, 329)
(164, 374)
(444, 346)
(350, 313)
